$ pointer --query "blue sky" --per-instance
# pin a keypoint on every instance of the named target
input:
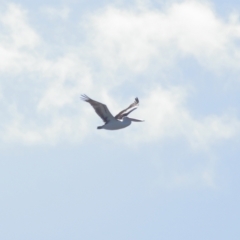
(175, 176)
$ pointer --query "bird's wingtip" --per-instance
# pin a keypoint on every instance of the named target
(84, 97)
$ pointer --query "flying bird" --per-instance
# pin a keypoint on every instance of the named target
(121, 120)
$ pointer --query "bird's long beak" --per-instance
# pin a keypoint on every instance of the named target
(135, 120)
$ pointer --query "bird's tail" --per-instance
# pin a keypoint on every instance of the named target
(100, 127)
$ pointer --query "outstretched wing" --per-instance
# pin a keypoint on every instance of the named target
(123, 112)
(100, 108)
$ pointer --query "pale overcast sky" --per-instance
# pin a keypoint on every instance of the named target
(175, 176)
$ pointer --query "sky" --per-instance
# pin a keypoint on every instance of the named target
(174, 176)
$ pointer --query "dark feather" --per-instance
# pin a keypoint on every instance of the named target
(122, 113)
(100, 108)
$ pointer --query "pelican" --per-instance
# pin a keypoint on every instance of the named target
(121, 120)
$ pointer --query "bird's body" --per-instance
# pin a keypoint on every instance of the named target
(116, 124)
(113, 123)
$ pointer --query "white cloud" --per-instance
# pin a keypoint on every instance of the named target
(17, 41)
(137, 38)
(69, 77)
(51, 84)
(19, 33)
